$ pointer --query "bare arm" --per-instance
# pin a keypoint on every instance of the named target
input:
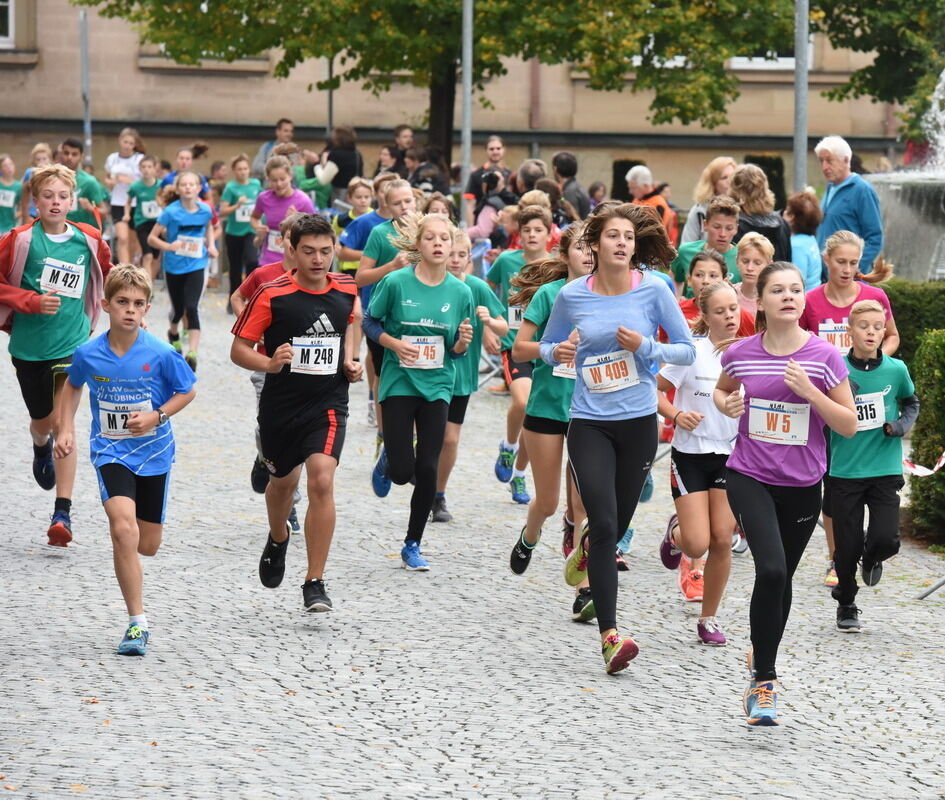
(69, 398)
(243, 353)
(891, 340)
(524, 348)
(368, 273)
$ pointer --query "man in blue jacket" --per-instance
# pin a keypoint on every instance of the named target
(850, 203)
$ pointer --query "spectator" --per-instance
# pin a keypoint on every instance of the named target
(716, 179)
(403, 139)
(530, 170)
(494, 197)
(387, 160)
(495, 153)
(562, 212)
(285, 131)
(803, 214)
(750, 190)
(643, 192)
(423, 174)
(344, 154)
(565, 167)
(850, 203)
(598, 193)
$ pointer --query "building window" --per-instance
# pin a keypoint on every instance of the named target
(7, 27)
(782, 59)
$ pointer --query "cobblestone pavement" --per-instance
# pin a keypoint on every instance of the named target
(463, 682)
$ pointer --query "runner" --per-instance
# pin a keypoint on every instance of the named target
(276, 203)
(142, 195)
(236, 207)
(867, 469)
(754, 254)
(90, 202)
(360, 194)
(425, 313)
(187, 230)
(305, 320)
(185, 163)
(534, 224)
(122, 169)
(606, 324)
(718, 228)
(794, 385)
(40, 156)
(51, 276)
(11, 194)
(488, 315)
(706, 268)
(701, 444)
(136, 382)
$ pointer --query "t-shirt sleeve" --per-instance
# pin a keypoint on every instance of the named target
(493, 304)
(373, 247)
(166, 218)
(305, 204)
(674, 373)
(906, 386)
(255, 319)
(884, 302)
(494, 275)
(179, 377)
(808, 318)
(379, 307)
(727, 357)
(76, 369)
(837, 370)
(249, 286)
(539, 309)
(229, 194)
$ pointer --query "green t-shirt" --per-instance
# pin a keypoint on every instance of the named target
(89, 188)
(871, 453)
(10, 197)
(550, 396)
(680, 267)
(43, 337)
(467, 368)
(379, 246)
(237, 223)
(407, 307)
(506, 267)
(322, 190)
(146, 208)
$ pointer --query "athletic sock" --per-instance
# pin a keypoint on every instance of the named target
(525, 544)
(141, 620)
(441, 495)
(507, 446)
(63, 504)
(517, 473)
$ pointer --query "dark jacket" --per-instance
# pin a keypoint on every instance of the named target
(770, 225)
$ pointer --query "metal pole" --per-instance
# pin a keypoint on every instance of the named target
(934, 588)
(466, 148)
(801, 69)
(86, 97)
(330, 123)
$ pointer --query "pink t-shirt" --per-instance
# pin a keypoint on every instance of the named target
(275, 209)
(829, 322)
(781, 436)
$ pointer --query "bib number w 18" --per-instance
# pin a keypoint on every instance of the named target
(836, 333)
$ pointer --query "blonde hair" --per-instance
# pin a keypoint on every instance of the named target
(705, 188)
(882, 269)
(51, 172)
(359, 183)
(409, 229)
(863, 307)
(461, 239)
(278, 162)
(123, 276)
(41, 147)
(393, 185)
(701, 326)
(133, 133)
(761, 243)
(750, 190)
(535, 197)
(169, 194)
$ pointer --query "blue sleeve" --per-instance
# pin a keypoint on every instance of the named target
(871, 227)
(680, 349)
(179, 378)
(371, 326)
(166, 218)
(76, 370)
(557, 330)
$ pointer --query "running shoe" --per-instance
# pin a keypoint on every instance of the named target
(371, 414)
(670, 555)
(848, 619)
(567, 535)
(583, 608)
(625, 541)
(519, 492)
(739, 542)
(314, 596)
(44, 468)
(575, 567)
(502, 390)
(293, 521)
(191, 359)
(871, 571)
(618, 653)
(647, 494)
(380, 479)
(522, 553)
(440, 513)
(710, 632)
(174, 339)
(272, 562)
(504, 463)
(622, 565)
(690, 581)
(259, 477)
(831, 579)
(60, 531)
(134, 642)
(760, 702)
(412, 560)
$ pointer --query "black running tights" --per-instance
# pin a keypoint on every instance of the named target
(242, 257)
(402, 415)
(609, 460)
(185, 291)
(778, 522)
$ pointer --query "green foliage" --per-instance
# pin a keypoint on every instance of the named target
(917, 307)
(927, 495)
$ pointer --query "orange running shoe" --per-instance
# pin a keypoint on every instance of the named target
(690, 581)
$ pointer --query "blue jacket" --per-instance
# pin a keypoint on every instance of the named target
(853, 206)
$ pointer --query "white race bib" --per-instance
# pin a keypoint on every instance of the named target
(565, 371)
(836, 333)
(870, 411)
(431, 352)
(244, 212)
(515, 317)
(113, 418)
(315, 355)
(272, 242)
(611, 372)
(150, 209)
(190, 246)
(62, 277)
(75, 203)
(7, 198)
(778, 423)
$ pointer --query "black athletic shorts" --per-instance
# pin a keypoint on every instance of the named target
(695, 472)
(513, 370)
(118, 213)
(148, 491)
(284, 448)
(457, 410)
(144, 231)
(552, 427)
(376, 352)
(38, 383)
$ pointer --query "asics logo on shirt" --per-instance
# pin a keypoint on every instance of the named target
(321, 327)
(79, 260)
(445, 308)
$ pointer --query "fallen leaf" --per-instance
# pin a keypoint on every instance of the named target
(340, 726)
(589, 690)
(153, 744)
(210, 699)
(291, 692)
(106, 722)
(9, 787)
(189, 686)
(39, 679)
(91, 700)
(78, 787)
(356, 669)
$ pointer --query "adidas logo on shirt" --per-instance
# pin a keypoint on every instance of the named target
(321, 327)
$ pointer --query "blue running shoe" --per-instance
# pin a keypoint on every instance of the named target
(380, 479)
(504, 463)
(293, 520)
(410, 555)
(624, 544)
(44, 468)
(761, 703)
(647, 494)
(60, 529)
(519, 492)
(135, 642)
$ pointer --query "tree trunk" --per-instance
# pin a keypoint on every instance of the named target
(442, 105)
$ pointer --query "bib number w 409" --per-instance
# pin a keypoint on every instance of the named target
(610, 373)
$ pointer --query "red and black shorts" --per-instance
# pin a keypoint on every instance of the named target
(285, 448)
(513, 370)
(39, 381)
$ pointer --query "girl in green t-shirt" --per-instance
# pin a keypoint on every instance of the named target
(236, 207)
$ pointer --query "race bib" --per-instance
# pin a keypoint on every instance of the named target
(778, 423)
(190, 246)
(836, 333)
(63, 277)
(244, 212)
(870, 411)
(7, 198)
(431, 352)
(610, 373)
(272, 242)
(150, 209)
(315, 355)
(515, 317)
(565, 371)
(75, 203)
(113, 418)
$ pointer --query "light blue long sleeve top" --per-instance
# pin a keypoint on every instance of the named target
(596, 317)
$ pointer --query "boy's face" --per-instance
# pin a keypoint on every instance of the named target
(241, 171)
(53, 201)
(704, 273)
(534, 236)
(7, 168)
(720, 229)
(147, 170)
(312, 256)
(126, 308)
(70, 156)
(867, 331)
(459, 258)
(361, 199)
(750, 263)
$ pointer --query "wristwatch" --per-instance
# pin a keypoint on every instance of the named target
(162, 417)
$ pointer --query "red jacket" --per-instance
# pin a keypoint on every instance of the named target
(14, 249)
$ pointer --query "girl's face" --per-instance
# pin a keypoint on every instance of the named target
(188, 186)
(723, 314)
(580, 261)
(126, 146)
(148, 170)
(438, 207)
(41, 158)
(7, 168)
(704, 273)
(53, 201)
(385, 157)
(867, 331)
(783, 297)
(724, 182)
(617, 243)
(459, 259)
(534, 235)
(241, 171)
(599, 193)
(750, 262)
(401, 202)
(361, 199)
(842, 263)
(184, 159)
(280, 181)
(436, 243)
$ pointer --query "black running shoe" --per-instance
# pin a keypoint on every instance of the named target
(272, 562)
(871, 571)
(848, 619)
(259, 477)
(314, 596)
(440, 513)
(44, 468)
(583, 608)
(521, 554)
